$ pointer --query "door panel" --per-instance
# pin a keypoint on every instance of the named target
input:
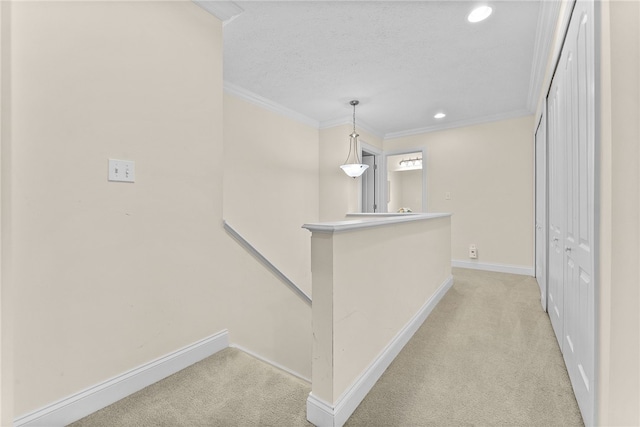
(579, 320)
(571, 162)
(541, 209)
(555, 283)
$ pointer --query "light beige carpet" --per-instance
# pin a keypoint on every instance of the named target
(486, 356)
(229, 388)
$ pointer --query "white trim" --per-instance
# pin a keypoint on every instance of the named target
(459, 124)
(364, 146)
(349, 121)
(336, 122)
(270, 362)
(257, 254)
(320, 413)
(323, 414)
(267, 104)
(499, 268)
(226, 11)
(90, 400)
(356, 224)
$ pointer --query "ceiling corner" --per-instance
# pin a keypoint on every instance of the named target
(224, 10)
(267, 104)
(347, 121)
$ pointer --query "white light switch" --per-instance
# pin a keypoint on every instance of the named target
(122, 170)
(447, 196)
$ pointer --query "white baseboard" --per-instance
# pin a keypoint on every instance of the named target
(272, 363)
(320, 413)
(323, 414)
(86, 402)
(499, 268)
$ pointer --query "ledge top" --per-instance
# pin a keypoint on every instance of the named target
(370, 220)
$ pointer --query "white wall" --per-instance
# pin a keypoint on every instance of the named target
(270, 190)
(108, 276)
(488, 170)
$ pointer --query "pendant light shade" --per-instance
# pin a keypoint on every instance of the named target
(353, 167)
(354, 170)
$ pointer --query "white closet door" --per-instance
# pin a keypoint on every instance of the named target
(571, 132)
(555, 283)
(579, 293)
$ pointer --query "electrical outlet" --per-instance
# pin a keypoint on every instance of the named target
(473, 251)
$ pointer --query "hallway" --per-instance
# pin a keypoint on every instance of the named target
(485, 356)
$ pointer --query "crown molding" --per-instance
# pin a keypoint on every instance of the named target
(459, 124)
(226, 11)
(545, 31)
(348, 121)
(267, 104)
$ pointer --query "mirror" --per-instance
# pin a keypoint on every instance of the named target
(405, 180)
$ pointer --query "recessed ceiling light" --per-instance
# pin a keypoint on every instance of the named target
(439, 116)
(479, 14)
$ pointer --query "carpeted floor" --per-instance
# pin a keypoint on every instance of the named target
(485, 356)
(229, 388)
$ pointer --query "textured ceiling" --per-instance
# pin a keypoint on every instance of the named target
(404, 60)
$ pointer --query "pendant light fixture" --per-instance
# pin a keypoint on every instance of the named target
(353, 166)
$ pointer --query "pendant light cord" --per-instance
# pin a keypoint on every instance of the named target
(354, 117)
(353, 138)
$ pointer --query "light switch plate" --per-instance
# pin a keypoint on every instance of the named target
(122, 170)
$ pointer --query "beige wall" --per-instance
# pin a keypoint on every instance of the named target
(339, 194)
(394, 191)
(618, 323)
(405, 190)
(6, 302)
(354, 321)
(271, 184)
(270, 190)
(488, 169)
(108, 276)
